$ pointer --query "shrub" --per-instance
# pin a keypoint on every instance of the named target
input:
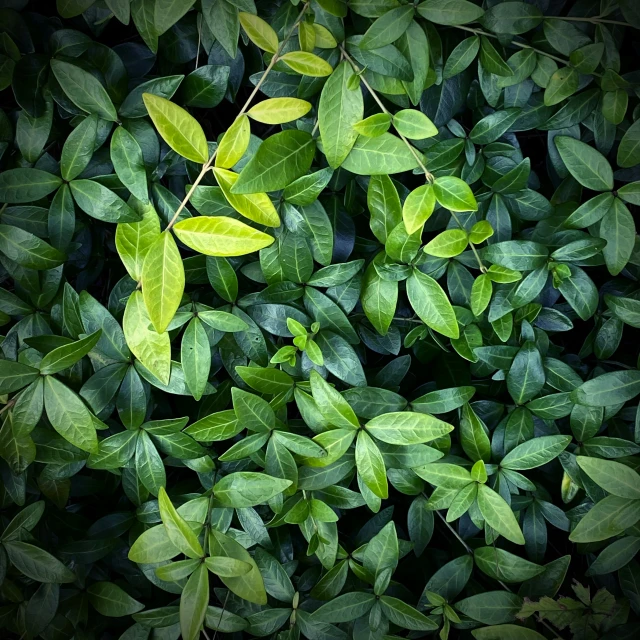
(320, 319)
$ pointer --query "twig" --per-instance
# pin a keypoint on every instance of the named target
(595, 20)
(209, 162)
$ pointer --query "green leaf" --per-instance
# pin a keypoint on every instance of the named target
(78, 148)
(498, 515)
(493, 126)
(247, 489)
(110, 600)
(588, 166)
(162, 281)
(454, 194)
(179, 532)
(178, 128)
(526, 375)
(307, 64)
(618, 229)
(279, 160)
(387, 28)
(506, 632)
(259, 32)
(37, 564)
(535, 453)
(614, 477)
(562, 84)
(512, 18)
(335, 409)
(234, 143)
(151, 348)
(413, 124)
(608, 389)
(473, 435)
(101, 203)
(28, 250)
(374, 125)
(418, 207)
(256, 206)
(491, 607)
(606, 519)
(128, 163)
(67, 355)
(405, 616)
(279, 110)
(194, 602)
(502, 565)
(26, 185)
(195, 356)
(385, 154)
(449, 12)
(629, 149)
(68, 415)
(84, 90)
(431, 304)
(405, 428)
(370, 464)
(448, 244)
(221, 236)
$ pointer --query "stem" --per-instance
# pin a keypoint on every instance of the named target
(209, 162)
(595, 20)
(522, 45)
(375, 96)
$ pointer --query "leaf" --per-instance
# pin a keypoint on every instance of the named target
(78, 148)
(344, 608)
(385, 154)
(562, 84)
(387, 28)
(498, 515)
(431, 304)
(178, 129)
(162, 281)
(84, 90)
(307, 64)
(613, 477)
(221, 236)
(255, 206)
(405, 428)
(234, 143)
(629, 149)
(526, 375)
(178, 530)
(101, 203)
(28, 250)
(447, 244)
(491, 607)
(502, 565)
(110, 600)
(68, 415)
(449, 12)
(588, 166)
(414, 124)
(26, 185)
(279, 160)
(259, 32)
(405, 616)
(279, 110)
(128, 163)
(194, 602)
(37, 564)
(63, 357)
(370, 464)
(608, 389)
(535, 453)
(151, 348)
(331, 404)
(195, 356)
(247, 489)
(606, 519)
(618, 229)
(454, 194)
(506, 631)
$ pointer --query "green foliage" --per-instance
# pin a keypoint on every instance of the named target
(319, 319)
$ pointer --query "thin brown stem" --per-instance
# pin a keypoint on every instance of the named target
(209, 162)
(375, 96)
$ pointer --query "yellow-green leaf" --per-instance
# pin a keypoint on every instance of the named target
(307, 64)
(151, 348)
(162, 281)
(259, 32)
(221, 236)
(234, 143)
(418, 207)
(255, 206)
(179, 129)
(279, 110)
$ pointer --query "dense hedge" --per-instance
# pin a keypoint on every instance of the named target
(320, 319)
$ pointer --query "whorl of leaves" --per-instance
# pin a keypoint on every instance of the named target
(320, 319)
